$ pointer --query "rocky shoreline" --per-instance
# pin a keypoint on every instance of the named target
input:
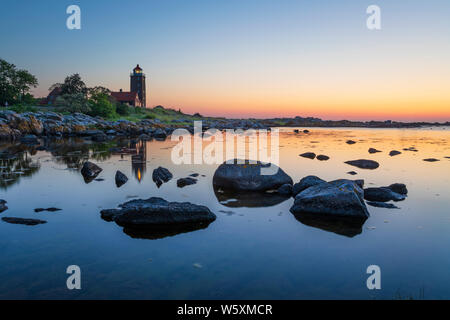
(31, 125)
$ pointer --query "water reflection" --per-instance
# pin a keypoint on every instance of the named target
(248, 199)
(16, 163)
(138, 152)
(155, 233)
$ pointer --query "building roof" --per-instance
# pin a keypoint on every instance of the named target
(124, 96)
(137, 68)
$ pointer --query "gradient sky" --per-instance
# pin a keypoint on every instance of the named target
(246, 58)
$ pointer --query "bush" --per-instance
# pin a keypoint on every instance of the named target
(150, 116)
(102, 106)
(122, 109)
(73, 103)
(20, 108)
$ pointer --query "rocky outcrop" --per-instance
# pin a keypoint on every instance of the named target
(248, 177)
(90, 171)
(339, 199)
(120, 179)
(161, 175)
(364, 164)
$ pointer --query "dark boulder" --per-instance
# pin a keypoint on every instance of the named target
(352, 173)
(350, 142)
(372, 150)
(308, 155)
(431, 160)
(364, 164)
(52, 209)
(183, 182)
(305, 183)
(28, 222)
(399, 188)
(340, 198)
(161, 175)
(29, 139)
(159, 134)
(3, 206)
(322, 157)
(394, 153)
(382, 194)
(285, 190)
(120, 178)
(249, 177)
(158, 212)
(90, 171)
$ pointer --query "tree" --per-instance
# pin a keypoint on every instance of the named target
(98, 90)
(73, 103)
(14, 84)
(101, 105)
(72, 85)
(24, 81)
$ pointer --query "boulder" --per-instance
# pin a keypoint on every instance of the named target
(3, 206)
(28, 222)
(350, 142)
(183, 182)
(372, 150)
(161, 175)
(90, 171)
(120, 179)
(399, 188)
(308, 155)
(382, 194)
(159, 134)
(431, 160)
(157, 212)
(285, 190)
(29, 139)
(338, 199)
(305, 183)
(322, 157)
(364, 164)
(352, 173)
(394, 153)
(248, 177)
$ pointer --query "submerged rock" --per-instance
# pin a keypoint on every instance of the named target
(29, 139)
(431, 160)
(248, 177)
(305, 183)
(120, 179)
(47, 209)
(364, 164)
(183, 182)
(28, 222)
(394, 153)
(350, 142)
(159, 134)
(308, 155)
(322, 157)
(158, 212)
(382, 205)
(339, 198)
(161, 175)
(3, 206)
(90, 171)
(373, 150)
(352, 173)
(383, 194)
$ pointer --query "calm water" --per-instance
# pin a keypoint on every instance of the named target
(248, 252)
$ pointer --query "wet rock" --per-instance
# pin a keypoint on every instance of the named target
(158, 212)
(350, 142)
(399, 188)
(364, 164)
(340, 198)
(352, 173)
(305, 131)
(8, 133)
(305, 183)
(145, 137)
(120, 179)
(90, 171)
(394, 153)
(413, 149)
(3, 206)
(52, 209)
(285, 190)
(28, 222)
(161, 175)
(159, 134)
(183, 182)
(296, 131)
(322, 157)
(382, 194)
(99, 137)
(382, 205)
(373, 150)
(431, 160)
(29, 139)
(249, 177)
(308, 155)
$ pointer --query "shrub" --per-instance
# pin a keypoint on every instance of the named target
(73, 103)
(102, 106)
(150, 116)
(122, 109)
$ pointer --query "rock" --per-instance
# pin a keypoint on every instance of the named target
(340, 198)
(399, 188)
(305, 183)
(29, 139)
(322, 157)
(90, 171)
(350, 142)
(8, 133)
(3, 206)
(309, 155)
(382, 205)
(305, 131)
(52, 209)
(364, 164)
(372, 150)
(296, 131)
(28, 222)
(99, 137)
(248, 177)
(183, 182)
(157, 212)
(431, 160)
(382, 194)
(248, 199)
(111, 132)
(145, 137)
(120, 178)
(161, 175)
(394, 153)
(352, 173)
(195, 175)
(285, 190)
(159, 134)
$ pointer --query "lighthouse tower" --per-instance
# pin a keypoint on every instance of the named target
(137, 84)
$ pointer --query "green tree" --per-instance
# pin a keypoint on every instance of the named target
(72, 85)
(74, 103)
(23, 81)
(102, 105)
(14, 84)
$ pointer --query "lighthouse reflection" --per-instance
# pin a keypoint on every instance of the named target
(139, 159)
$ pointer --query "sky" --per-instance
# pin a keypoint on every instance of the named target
(246, 58)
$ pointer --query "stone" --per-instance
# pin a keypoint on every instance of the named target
(364, 164)
(308, 155)
(183, 182)
(382, 205)
(285, 190)
(90, 171)
(28, 222)
(3, 206)
(394, 153)
(305, 183)
(372, 150)
(382, 194)
(399, 188)
(161, 175)
(322, 157)
(120, 179)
